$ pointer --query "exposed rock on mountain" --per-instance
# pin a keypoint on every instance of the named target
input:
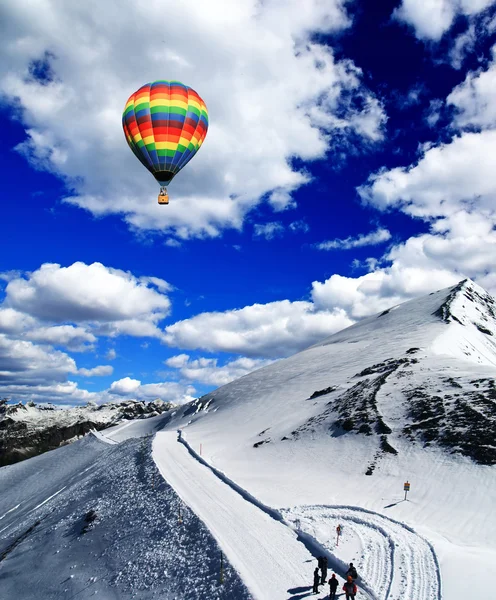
(28, 429)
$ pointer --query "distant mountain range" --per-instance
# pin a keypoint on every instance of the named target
(27, 430)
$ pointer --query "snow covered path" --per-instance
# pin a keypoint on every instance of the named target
(266, 553)
(395, 562)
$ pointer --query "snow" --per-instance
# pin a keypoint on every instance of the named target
(280, 468)
(451, 503)
(264, 551)
(135, 548)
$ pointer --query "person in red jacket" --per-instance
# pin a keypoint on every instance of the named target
(350, 588)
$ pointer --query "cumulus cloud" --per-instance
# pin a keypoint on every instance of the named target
(73, 338)
(64, 394)
(370, 239)
(262, 330)
(431, 19)
(14, 321)
(124, 386)
(447, 178)
(71, 307)
(99, 371)
(208, 371)
(473, 99)
(269, 71)
(24, 362)
(178, 361)
(83, 292)
(360, 297)
(167, 391)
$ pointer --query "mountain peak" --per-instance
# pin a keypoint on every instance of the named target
(469, 304)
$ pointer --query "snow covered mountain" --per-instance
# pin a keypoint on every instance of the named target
(272, 462)
(408, 394)
(423, 372)
(27, 430)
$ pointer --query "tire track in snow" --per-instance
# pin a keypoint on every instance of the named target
(396, 562)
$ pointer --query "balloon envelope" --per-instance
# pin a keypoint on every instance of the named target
(165, 123)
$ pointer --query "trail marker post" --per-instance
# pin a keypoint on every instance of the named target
(406, 488)
(338, 533)
(221, 579)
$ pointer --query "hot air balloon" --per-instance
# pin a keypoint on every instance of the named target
(165, 123)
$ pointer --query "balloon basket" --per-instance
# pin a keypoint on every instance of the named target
(163, 197)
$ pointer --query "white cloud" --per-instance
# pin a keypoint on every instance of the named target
(262, 330)
(474, 99)
(64, 394)
(71, 307)
(269, 231)
(269, 71)
(86, 293)
(111, 354)
(178, 361)
(370, 239)
(13, 321)
(209, 372)
(300, 225)
(463, 45)
(432, 18)
(376, 291)
(124, 386)
(167, 391)
(27, 363)
(447, 178)
(99, 371)
(73, 338)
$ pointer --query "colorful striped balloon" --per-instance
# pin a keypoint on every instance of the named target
(165, 123)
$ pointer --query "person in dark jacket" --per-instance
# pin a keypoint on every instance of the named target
(350, 589)
(323, 568)
(333, 586)
(352, 571)
(316, 580)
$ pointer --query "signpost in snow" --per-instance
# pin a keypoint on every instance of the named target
(221, 579)
(406, 487)
(338, 532)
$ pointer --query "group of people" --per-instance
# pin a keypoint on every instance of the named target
(349, 586)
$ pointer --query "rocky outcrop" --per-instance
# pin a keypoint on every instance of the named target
(27, 430)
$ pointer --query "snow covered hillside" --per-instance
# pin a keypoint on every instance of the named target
(94, 520)
(408, 394)
(28, 429)
(273, 462)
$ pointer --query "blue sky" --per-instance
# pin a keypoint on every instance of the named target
(349, 166)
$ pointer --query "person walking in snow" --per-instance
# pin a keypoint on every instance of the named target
(333, 586)
(316, 580)
(352, 571)
(323, 568)
(350, 589)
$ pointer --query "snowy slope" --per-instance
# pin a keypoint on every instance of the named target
(135, 547)
(407, 394)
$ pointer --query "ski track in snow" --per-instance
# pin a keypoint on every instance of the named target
(264, 551)
(9, 511)
(395, 563)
